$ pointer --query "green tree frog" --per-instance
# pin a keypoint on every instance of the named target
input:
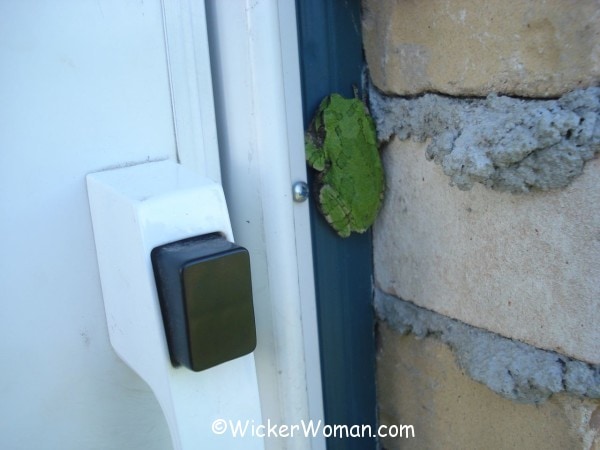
(341, 144)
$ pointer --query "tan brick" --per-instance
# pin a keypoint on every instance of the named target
(465, 47)
(523, 266)
(419, 384)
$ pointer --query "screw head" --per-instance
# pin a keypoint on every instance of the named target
(301, 191)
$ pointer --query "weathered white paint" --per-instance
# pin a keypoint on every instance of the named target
(84, 86)
(93, 85)
(191, 86)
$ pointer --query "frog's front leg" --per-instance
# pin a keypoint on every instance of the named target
(335, 210)
(315, 156)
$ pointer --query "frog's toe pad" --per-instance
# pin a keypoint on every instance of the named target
(336, 212)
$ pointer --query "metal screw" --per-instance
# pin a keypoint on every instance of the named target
(300, 190)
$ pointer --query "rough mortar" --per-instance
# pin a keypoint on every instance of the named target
(504, 143)
(420, 383)
(513, 369)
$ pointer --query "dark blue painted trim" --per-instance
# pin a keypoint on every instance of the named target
(332, 61)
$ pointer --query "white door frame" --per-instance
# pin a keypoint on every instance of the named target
(191, 86)
(257, 94)
(86, 89)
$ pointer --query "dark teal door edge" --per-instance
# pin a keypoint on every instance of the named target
(332, 61)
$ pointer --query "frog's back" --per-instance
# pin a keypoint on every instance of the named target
(356, 172)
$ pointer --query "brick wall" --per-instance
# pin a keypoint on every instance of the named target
(491, 122)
